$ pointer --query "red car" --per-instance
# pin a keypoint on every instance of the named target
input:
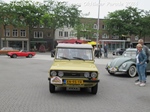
(21, 54)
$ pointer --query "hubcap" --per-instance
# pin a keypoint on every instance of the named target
(132, 71)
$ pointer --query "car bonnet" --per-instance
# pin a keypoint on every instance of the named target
(119, 61)
(74, 66)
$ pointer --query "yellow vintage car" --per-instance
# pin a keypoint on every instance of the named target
(73, 68)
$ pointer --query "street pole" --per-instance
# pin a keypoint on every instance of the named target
(97, 39)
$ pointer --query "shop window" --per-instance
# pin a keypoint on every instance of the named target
(95, 26)
(49, 34)
(60, 33)
(23, 33)
(38, 34)
(72, 34)
(7, 33)
(65, 34)
(105, 35)
(15, 33)
(104, 27)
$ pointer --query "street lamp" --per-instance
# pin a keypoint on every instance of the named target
(98, 24)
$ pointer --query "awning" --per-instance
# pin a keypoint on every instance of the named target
(38, 41)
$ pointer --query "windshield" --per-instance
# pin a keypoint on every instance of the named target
(74, 54)
(129, 54)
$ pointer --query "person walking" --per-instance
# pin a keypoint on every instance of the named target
(146, 50)
(105, 51)
(99, 52)
(141, 59)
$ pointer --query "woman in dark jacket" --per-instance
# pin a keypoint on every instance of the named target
(141, 59)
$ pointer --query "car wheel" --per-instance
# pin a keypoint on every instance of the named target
(51, 88)
(30, 55)
(14, 56)
(94, 89)
(132, 71)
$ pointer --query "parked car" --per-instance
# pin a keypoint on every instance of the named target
(125, 63)
(21, 53)
(5, 50)
(73, 68)
(118, 51)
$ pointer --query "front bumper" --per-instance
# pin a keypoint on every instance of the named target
(116, 70)
(86, 83)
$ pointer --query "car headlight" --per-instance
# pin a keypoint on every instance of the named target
(124, 65)
(86, 74)
(60, 73)
(53, 73)
(93, 74)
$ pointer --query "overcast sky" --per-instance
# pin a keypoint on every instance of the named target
(91, 6)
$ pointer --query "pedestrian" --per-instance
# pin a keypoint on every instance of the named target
(146, 50)
(105, 51)
(100, 52)
(141, 59)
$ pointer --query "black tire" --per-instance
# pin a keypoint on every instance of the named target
(14, 56)
(94, 89)
(132, 71)
(30, 56)
(51, 88)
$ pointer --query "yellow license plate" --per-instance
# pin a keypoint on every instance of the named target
(74, 82)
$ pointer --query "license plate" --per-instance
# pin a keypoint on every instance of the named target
(74, 82)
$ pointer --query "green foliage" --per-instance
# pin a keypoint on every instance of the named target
(51, 14)
(85, 28)
(127, 22)
(60, 14)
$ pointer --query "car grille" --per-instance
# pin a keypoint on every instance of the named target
(73, 74)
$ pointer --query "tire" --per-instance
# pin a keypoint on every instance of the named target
(14, 56)
(132, 71)
(94, 89)
(30, 56)
(51, 88)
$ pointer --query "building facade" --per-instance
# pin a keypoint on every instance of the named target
(65, 33)
(17, 38)
(39, 35)
(31, 39)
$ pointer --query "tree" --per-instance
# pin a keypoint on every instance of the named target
(60, 14)
(144, 25)
(85, 28)
(7, 17)
(124, 22)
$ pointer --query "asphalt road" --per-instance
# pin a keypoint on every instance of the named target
(24, 88)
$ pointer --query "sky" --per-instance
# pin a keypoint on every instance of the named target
(106, 6)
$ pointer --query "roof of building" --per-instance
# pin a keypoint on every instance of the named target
(74, 45)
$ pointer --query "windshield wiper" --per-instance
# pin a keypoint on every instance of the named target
(79, 58)
(64, 58)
